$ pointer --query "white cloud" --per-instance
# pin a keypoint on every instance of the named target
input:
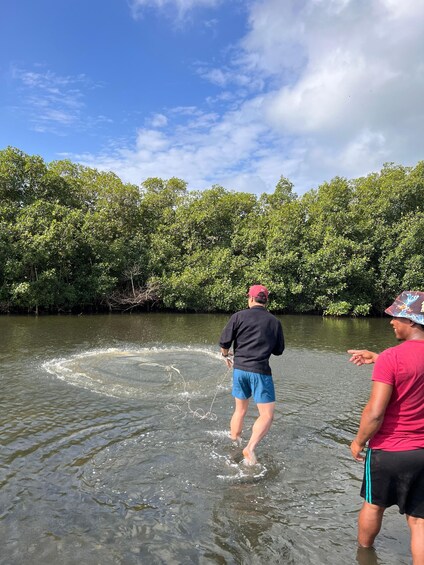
(158, 120)
(52, 102)
(182, 7)
(316, 89)
(206, 149)
(351, 80)
(350, 84)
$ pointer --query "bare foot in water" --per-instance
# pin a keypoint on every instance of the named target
(236, 440)
(249, 457)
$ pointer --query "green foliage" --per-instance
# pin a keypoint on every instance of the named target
(361, 310)
(337, 309)
(72, 237)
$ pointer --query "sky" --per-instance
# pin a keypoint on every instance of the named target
(229, 92)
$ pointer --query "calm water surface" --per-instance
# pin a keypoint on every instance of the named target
(115, 448)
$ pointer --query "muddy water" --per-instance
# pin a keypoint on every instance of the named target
(114, 445)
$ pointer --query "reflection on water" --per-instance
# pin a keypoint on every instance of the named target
(115, 446)
(367, 556)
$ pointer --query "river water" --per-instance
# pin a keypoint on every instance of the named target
(115, 447)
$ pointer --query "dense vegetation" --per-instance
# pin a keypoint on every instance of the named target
(73, 238)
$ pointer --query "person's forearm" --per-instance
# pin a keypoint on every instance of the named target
(372, 417)
(369, 425)
(226, 354)
(362, 356)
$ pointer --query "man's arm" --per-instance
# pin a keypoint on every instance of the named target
(362, 356)
(279, 344)
(372, 417)
(226, 339)
(226, 354)
(228, 334)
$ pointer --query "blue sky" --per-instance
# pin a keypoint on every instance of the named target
(229, 92)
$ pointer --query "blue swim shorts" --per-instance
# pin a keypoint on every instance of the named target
(247, 384)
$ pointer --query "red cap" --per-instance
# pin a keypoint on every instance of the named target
(257, 289)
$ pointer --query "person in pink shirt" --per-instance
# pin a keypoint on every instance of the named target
(392, 423)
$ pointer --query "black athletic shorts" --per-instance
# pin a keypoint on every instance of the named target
(395, 477)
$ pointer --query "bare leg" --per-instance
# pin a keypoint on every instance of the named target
(416, 525)
(236, 425)
(369, 523)
(259, 430)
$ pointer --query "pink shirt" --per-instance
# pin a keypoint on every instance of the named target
(402, 367)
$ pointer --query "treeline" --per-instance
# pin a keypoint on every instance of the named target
(76, 239)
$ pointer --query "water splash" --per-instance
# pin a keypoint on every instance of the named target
(179, 376)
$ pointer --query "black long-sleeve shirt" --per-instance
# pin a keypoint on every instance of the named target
(256, 335)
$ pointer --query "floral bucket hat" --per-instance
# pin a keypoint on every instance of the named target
(409, 304)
